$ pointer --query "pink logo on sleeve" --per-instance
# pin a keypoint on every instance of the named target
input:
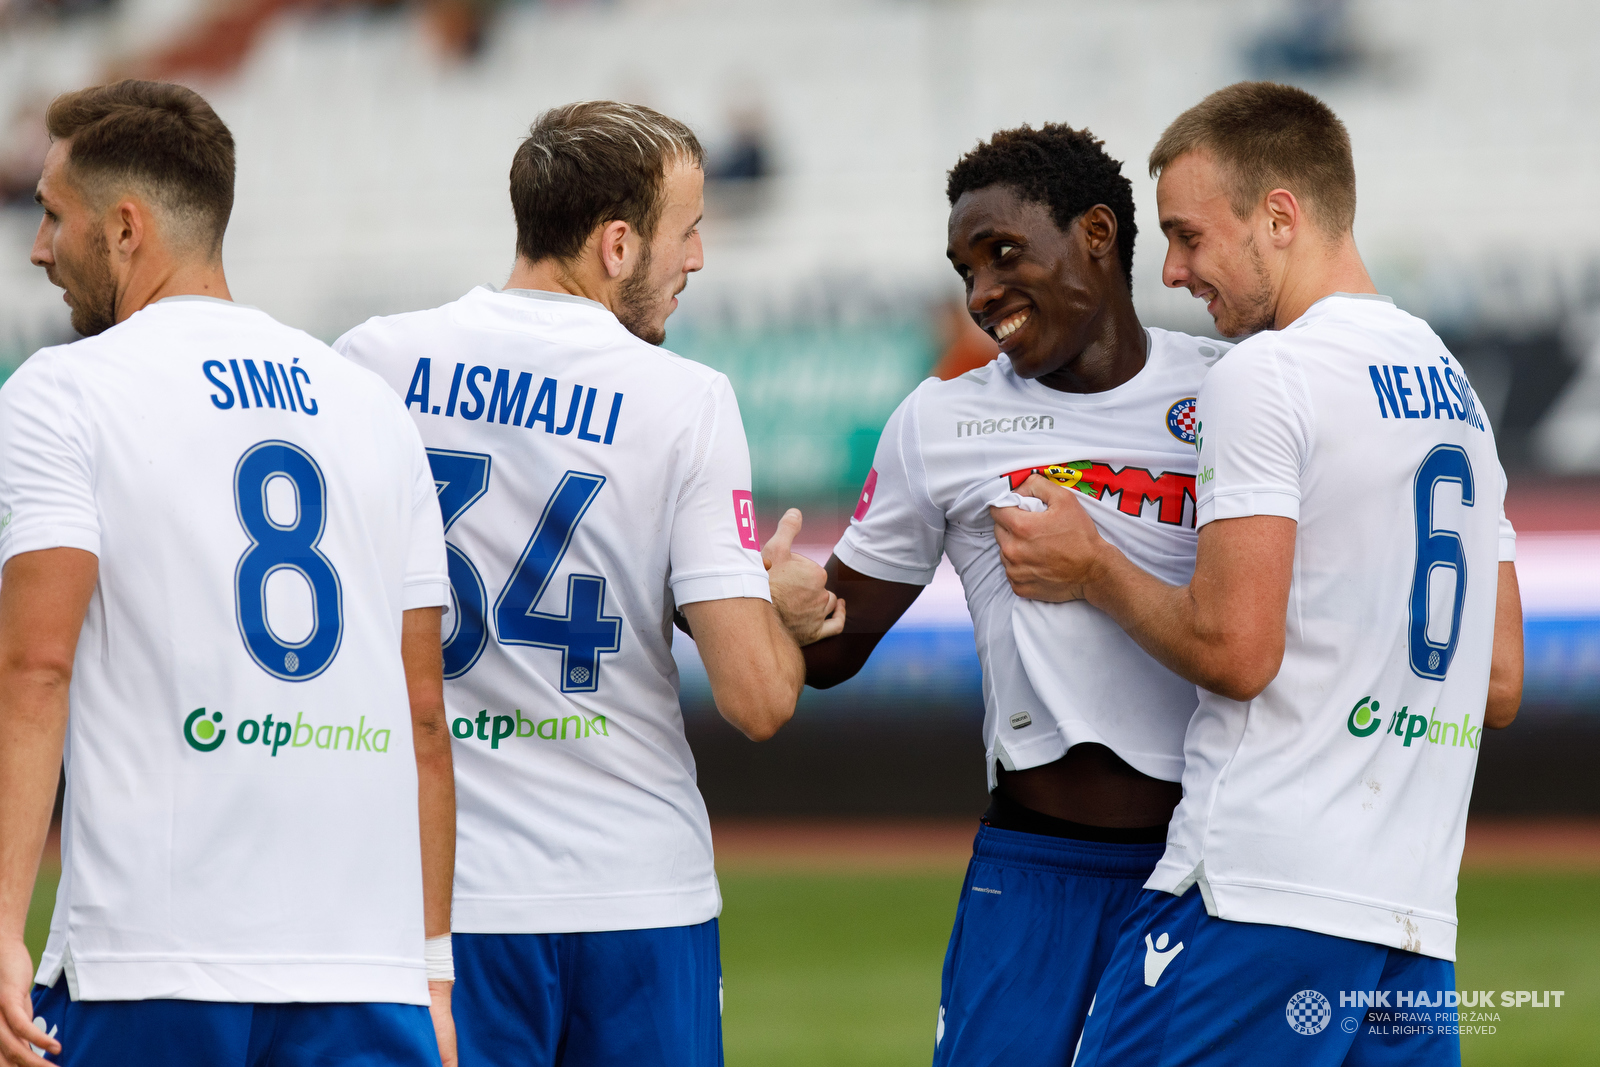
(866, 496)
(744, 516)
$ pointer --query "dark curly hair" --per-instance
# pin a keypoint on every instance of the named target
(1064, 169)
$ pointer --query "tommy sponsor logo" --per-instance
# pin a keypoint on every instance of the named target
(1308, 1012)
(1364, 720)
(498, 728)
(864, 502)
(744, 517)
(1157, 956)
(1132, 486)
(205, 733)
(1010, 424)
(1181, 421)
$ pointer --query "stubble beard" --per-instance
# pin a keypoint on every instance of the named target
(1254, 309)
(93, 289)
(637, 304)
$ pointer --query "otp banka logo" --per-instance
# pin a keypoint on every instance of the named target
(1365, 719)
(205, 733)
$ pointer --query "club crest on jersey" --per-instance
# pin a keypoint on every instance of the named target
(1180, 420)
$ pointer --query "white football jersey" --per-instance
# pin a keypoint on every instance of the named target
(590, 483)
(1336, 801)
(1054, 675)
(241, 807)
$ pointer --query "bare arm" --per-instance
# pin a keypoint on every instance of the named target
(1505, 665)
(1224, 631)
(876, 605)
(436, 794)
(43, 599)
(755, 667)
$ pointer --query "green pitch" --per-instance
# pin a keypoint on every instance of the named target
(843, 969)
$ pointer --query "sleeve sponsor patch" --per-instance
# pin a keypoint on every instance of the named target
(744, 517)
(865, 500)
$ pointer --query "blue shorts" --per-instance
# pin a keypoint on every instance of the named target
(163, 1033)
(622, 998)
(1185, 988)
(1037, 921)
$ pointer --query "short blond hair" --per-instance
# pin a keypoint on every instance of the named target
(1268, 136)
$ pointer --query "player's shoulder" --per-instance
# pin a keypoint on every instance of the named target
(385, 333)
(1186, 347)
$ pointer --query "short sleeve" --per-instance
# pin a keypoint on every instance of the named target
(716, 549)
(427, 580)
(896, 533)
(1508, 533)
(1252, 435)
(46, 465)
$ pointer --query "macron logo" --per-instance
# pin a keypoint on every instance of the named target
(1156, 960)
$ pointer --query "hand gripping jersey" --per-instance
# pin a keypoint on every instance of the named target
(1336, 801)
(241, 808)
(590, 483)
(1054, 675)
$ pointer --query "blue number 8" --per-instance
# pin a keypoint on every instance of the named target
(1435, 549)
(293, 547)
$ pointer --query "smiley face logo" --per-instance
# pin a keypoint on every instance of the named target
(201, 732)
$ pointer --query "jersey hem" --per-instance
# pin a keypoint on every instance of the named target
(585, 914)
(859, 560)
(697, 588)
(248, 983)
(427, 593)
(55, 535)
(1321, 912)
(1242, 504)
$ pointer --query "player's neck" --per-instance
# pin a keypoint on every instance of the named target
(550, 275)
(1318, 272)
(1116, 351)
(160, 278)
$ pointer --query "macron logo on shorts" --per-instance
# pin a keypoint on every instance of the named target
(1156, 960)
(865, 501)
(744, 516)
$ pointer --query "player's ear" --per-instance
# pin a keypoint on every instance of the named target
(614, 237)
(1283, 217)
(1099, 231)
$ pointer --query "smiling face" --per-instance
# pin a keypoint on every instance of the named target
(1030, 286)
(1212, 252)
(72, 247)
(650, 293)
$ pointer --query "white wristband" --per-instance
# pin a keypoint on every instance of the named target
(441, 963)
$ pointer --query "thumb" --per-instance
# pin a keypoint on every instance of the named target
(779, 544)
(1041, 488)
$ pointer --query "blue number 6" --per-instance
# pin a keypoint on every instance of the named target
(293, 547)
(1435, 549)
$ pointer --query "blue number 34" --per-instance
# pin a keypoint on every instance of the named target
(582, 634)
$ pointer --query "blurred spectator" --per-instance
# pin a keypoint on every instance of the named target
(23, 147)
(1317, 40)
(966, 346)
(16, 10)
(746, 156)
